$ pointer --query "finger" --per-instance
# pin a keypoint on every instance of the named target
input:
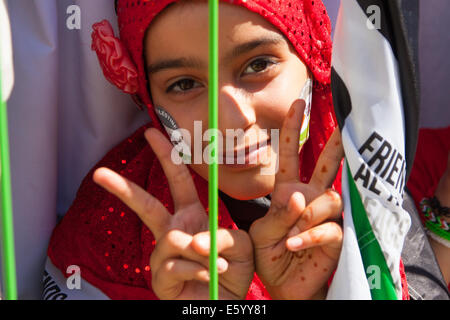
(168, 281)
(233, 245)
(177, 244)
(328, 234)
(288, 144)
(328, 206)
(329, 161)
(277, 222)
(180, 181)
(152, 213)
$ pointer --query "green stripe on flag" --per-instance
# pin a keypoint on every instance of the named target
(380, 283)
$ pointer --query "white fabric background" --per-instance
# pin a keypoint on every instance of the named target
(63, 115)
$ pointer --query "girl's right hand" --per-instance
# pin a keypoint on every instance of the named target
(180, 260)
(298, 242)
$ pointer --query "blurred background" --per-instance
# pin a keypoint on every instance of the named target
(64, 116)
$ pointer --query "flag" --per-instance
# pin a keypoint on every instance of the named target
(375, 95)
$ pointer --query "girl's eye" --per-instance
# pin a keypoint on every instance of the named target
(184, 85)
(259, 65)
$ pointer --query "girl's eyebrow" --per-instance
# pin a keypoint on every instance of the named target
(195, 63)
(273, 39)
(174, 64)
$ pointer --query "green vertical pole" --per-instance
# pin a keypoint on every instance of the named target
(8, 255)
(213, 192)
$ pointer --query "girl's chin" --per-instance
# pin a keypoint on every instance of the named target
(247, 188)
(241, 185)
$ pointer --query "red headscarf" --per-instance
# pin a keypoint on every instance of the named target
(103, 236)
(305, 23)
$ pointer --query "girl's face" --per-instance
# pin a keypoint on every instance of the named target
(260, 76)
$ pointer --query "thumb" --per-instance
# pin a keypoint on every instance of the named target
(276, 224)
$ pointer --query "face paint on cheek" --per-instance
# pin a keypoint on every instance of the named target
(306, 95)
(180, 138)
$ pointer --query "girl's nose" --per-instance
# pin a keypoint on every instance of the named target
(235, 109)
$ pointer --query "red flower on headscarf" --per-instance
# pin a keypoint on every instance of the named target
(114, 59)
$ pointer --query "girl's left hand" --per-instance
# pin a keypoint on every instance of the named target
(298, 242)
(179, 262)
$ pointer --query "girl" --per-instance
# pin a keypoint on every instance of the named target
(143, 233)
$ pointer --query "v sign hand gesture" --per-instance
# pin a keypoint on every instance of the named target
(180, 260)
(297, 243)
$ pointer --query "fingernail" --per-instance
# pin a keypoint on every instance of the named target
(296, 200)
(222, 265)
(295, 243)
(203, 241)
(294, 231)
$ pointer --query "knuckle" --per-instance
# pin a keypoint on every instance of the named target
(182, 176)
(316, 235)
(255, 229)
(158, 254)
(169, 266)
(153, 260)
(307, 215)
(150, 204)
(335, 198)
(336, 230)
(287, 151)
(277, 209)
(244, 241)
(243, 235)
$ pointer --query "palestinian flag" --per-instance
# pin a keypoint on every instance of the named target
(375, 95)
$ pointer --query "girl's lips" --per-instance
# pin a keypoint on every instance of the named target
(251, 156)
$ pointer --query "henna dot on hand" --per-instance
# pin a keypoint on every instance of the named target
(291, 112)
(274, 258)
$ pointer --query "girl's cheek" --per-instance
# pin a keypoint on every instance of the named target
(271, 113)
(276, 99)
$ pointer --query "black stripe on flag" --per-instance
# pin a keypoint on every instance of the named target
(394, 28)
(341, 98)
